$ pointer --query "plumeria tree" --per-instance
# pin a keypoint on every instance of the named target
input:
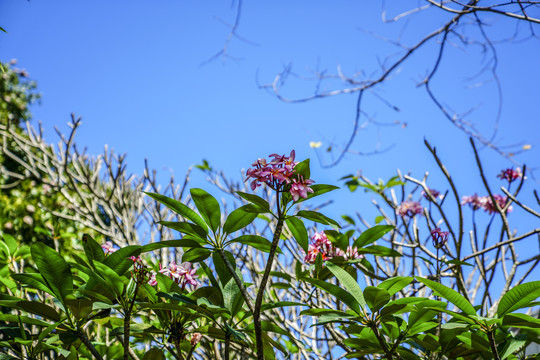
(407, 285)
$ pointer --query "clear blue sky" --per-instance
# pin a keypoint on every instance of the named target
(132, 70)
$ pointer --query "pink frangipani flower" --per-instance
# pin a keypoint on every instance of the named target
(409, 208)
(300, 188)
(182, 274)
(108, 247)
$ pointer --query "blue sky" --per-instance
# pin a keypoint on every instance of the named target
(132, 70)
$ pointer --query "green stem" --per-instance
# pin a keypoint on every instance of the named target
(262, 286)
(382, 342)
(88, 344)
(227, 345)
(493, 345)
(127, 321)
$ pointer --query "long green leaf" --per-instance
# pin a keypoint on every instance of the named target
(194, 255)
(33, 307)
(179, 208)
(24, 319)
(208, 207)
(54, 269)
(298, 230)
(170, 243)
(375, 297)
(395, 284)
(518, 297)
(379, 251)
(114, 281)
(238, 219)
(35, 280)
(92, 249)
(318, 189)
(338, 292)
(348, 282)
(187, 228)
(318, 217)
(256, 200)
(120, 260)
(256, 241)
(449, 294)
(372, 234)
(521, 320)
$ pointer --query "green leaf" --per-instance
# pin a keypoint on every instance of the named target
(457, 262)
(33, 307)
(395, 284)
(195, 255)
(302, 169)
(35, 280)
(318, 217)
(219, 264)
(449, 294)
(425, 311)
(379, 251)
(22, 319)
(80, 308)
(513, 345)
(256, 241)
(238, 219)
(299, 232)
(186, 242)
(230, 291)
(348, 219)
(256, 200)
(11, 243)
(154, 354)
(338, 292)
(341, 241)
(208, 207)
(180, 208)
(92, 249)
(521, 320)
(518, 297)
(280, 304)
(474, 341)
(186, 228)
(54, 269)
(318, 189)
(371, 235)
(114, 281)
(120, 260)
(348, 282)
(375, 297)
(205, 166)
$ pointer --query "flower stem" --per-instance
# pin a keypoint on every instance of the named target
(88, 344)
(493, 345)
(262, 286)
(127, 321)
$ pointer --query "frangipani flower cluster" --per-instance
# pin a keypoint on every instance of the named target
(182, 274)
(439, 237)
(510, 174)
(485, 203)
(321, 245)
(278, 173)
(140, 272)
(409, 209)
